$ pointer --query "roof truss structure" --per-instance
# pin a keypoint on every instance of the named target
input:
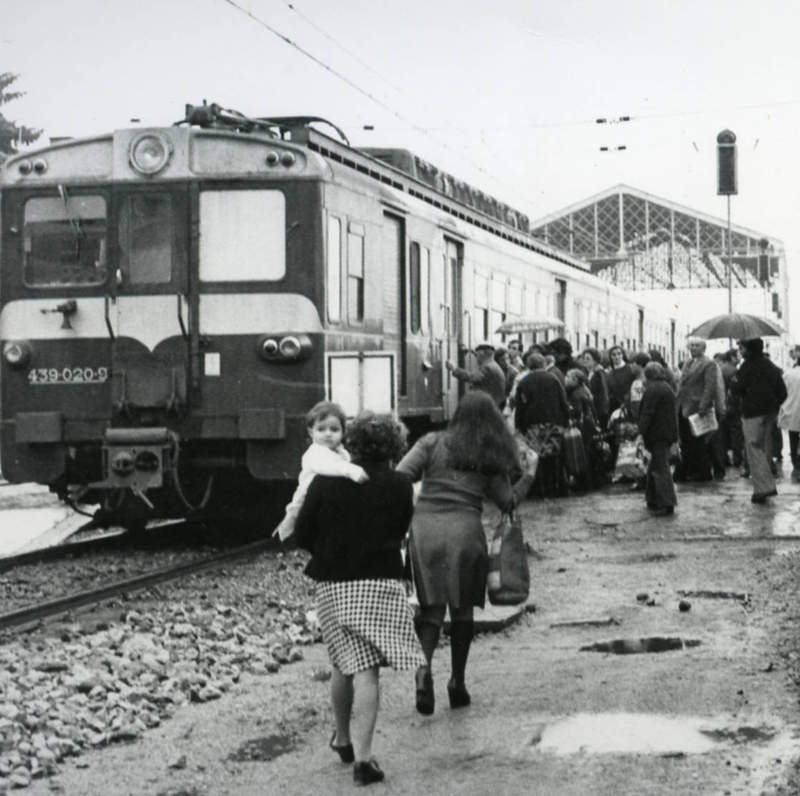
(639, 241)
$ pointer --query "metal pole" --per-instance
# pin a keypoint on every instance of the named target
(730, 260)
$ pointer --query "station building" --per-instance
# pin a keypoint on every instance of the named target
(673, 254)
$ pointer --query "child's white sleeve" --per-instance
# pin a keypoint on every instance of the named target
(324, 461)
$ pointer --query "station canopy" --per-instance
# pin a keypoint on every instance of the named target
(638, 241)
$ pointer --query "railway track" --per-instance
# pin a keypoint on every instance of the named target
(44, 610)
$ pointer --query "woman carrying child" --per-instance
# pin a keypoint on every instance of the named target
(325, 456)
(354, 533)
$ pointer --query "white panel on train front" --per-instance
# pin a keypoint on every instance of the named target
(362, 380)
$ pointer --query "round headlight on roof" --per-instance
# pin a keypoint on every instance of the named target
(150, 152)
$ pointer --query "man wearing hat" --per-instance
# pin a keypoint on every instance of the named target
(761, 389)
(488, 375)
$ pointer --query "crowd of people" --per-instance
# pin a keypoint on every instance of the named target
(540, 422)
(615, 416)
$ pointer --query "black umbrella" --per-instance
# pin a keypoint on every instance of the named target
(737, 327)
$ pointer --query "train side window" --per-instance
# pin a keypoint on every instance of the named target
(242, 235)
(64, 240)
(334, 269)
(481, 307)
(355, 277)
(146, 233)
(424, 288)
(414, 287)
(498, 313)
(515, 299)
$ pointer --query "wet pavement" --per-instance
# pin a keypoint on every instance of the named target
(647, 663)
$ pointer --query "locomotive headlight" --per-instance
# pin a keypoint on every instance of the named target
(40, 165)
(17, 354)
(290, 348)
(295, 347)
(269, 348)
(25, 167)
(150, 152)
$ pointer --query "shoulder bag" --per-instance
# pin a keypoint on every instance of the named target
(509, 579)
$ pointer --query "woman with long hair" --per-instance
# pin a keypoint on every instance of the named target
(620, 376)
(471, 460)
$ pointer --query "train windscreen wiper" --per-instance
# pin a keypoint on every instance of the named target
(74, 221)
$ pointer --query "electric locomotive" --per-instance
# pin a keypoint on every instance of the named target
(173, 300)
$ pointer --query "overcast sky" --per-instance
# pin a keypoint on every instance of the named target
(502, 94)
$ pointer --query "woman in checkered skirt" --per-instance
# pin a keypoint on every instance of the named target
(354, 533)
(472, 460)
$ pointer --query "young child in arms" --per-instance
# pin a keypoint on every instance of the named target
(325, 456)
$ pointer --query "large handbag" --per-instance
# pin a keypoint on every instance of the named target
(574, 452)
(509, 578)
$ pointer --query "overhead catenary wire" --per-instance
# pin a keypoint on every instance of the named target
(413, 125)
(344, 49)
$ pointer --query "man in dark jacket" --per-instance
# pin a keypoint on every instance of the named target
(658, 425)
(540, 397)
(488, 376)
(761, 390)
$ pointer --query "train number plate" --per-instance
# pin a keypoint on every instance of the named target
(67, 375)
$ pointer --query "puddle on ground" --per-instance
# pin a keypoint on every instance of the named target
(783, 524)
(262, 749)
(715, 595)
(648, 558)
(637, 646)
(625, 733)
(785, 521)
(741, 734)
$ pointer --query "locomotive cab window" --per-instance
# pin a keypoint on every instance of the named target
(242, 235)
(146, 234)
(64, 240)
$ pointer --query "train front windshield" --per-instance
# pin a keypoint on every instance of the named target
(67, 237)
(65, 241)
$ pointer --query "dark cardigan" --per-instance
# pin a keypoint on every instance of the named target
(658, 414)
(354, 531)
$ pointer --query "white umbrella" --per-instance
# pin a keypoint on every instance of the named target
(519, 326)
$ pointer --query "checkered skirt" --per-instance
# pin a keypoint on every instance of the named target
(367, 623)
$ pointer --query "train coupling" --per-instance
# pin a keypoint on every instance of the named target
(136, 459)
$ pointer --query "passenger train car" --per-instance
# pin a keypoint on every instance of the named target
(173, 300)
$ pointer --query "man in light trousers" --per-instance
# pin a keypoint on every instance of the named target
(760, 386)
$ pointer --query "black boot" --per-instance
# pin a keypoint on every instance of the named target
(460, 641)
(428, 635)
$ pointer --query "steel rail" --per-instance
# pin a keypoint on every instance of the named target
(60, 605)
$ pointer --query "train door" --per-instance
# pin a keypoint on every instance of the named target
(394, 295)
(452, 322)
(147, 309)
